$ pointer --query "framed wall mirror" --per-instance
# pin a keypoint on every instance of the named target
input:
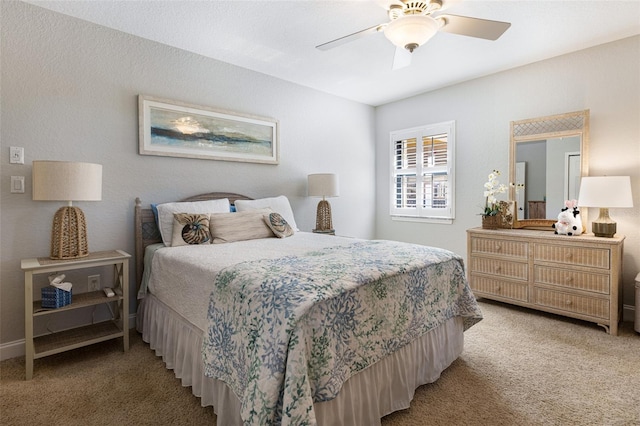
(547, 156)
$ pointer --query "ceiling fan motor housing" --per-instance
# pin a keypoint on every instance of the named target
(421, 7)
(415, 7)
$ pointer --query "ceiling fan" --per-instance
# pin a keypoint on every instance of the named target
(412, 23)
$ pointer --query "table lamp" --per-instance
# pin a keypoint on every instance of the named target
(323, 185)
(67, 181)
(605, 192)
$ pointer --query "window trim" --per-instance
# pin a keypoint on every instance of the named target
(417, 214)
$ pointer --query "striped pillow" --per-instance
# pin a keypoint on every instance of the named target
(240, 226)
(277, 204)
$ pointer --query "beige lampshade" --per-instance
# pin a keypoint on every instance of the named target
(67, 181)
(323, 185)
(605, 192)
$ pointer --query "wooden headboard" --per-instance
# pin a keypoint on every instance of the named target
(147, 232)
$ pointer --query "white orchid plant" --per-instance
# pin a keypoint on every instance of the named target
(492, 188)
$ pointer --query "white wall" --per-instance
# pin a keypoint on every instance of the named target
(604, 79)
(69, 92)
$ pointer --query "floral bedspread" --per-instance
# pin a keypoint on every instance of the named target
(283, 333)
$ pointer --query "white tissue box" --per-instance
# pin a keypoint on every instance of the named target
(53, 297)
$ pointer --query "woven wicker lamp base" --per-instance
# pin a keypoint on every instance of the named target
(69, 234)
(323, 217)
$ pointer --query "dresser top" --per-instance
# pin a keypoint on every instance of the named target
(547, 235)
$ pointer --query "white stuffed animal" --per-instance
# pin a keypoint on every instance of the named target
(569, 220)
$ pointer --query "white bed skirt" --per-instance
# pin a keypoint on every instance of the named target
(385, 387)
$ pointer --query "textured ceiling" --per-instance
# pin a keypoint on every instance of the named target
(278, 38)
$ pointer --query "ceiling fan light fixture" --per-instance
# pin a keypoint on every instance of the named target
(411, 31)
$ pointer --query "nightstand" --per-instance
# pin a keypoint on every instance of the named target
(53, 343)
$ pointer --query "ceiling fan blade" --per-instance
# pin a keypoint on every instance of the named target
(348, 38)
(401, 59)
(474, 27)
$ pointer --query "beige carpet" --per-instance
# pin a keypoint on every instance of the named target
(519, 367)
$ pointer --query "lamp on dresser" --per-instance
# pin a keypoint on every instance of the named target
(323, 185)
(605, 192)
(67, 181)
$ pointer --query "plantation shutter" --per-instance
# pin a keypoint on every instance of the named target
(422, 172)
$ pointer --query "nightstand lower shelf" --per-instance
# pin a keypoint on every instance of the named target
(62, 341)
(79, 301)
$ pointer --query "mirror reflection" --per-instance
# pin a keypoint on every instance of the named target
(550, 172)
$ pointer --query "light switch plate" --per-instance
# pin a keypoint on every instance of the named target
(17, 184)
(16, 155)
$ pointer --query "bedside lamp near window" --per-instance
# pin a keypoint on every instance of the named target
(67, 181)
(605, 192)
(323, 185)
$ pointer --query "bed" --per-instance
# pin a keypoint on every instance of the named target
(302, 329)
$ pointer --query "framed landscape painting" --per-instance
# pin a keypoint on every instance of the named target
(175, 129)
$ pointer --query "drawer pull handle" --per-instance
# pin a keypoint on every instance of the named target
(568, 303)
(568, 256)
(568, 280)
(497, 288)
(498, 269)
(498, 247)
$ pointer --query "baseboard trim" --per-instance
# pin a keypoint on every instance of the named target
(16, 348)
(12, 349)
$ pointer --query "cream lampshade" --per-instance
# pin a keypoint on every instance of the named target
(605, 192)
(67, 181)
(323, 185)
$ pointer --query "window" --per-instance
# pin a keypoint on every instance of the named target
(422, 172)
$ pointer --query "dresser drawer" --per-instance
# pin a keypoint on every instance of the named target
(500, 268)
(572, 255)
(573, 303)
(503, 289)
(507, 248)
(597, 283)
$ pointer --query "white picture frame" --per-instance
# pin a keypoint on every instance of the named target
(175, 129)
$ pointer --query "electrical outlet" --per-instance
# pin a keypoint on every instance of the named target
(16, 155)
(94, 283)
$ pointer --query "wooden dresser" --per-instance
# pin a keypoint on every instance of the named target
(578, 277)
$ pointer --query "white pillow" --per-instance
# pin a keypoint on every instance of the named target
(166, 211)
(277, 204)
